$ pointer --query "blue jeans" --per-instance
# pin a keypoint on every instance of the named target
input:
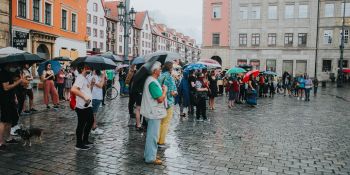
(151, 146)
(122, 87)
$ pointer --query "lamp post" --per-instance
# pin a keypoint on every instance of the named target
(127, 18)
(341, 59)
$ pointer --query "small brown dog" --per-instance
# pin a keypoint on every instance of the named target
(27, 134)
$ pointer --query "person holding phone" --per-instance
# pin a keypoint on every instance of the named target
(81, 88)
(48, 78)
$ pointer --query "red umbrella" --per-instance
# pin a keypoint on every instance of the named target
(346, 70)
(246, 77)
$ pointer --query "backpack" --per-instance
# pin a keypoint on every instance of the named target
(72, 101)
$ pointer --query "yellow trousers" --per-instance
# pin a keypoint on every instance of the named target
(164, 125)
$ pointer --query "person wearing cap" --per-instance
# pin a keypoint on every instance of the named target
(153, 109)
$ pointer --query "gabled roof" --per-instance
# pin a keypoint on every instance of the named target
(139, 19)
(112, 6)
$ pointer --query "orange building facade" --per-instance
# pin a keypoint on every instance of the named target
(50, 28)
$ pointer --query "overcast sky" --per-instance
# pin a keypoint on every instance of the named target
(183, 15)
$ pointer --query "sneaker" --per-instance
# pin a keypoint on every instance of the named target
(13, 130)
(25, 113)
(302, 98)
(200, 120)
(97, 131)
(48, 107)
(82, 147)
(206, 119)
(163, 146)
(12, 141)
(56, 106)
(33, 110)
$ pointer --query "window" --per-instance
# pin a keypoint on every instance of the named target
(48, 13)
(216, 12)
(289, 11)
(329, 10)
(88, 31)
(243, 39)
(74, 22)
(88, 18)
(302, 39)
(120, 49)
(36, 10)
(101, 45)
(143, 44)
(326, 65)
(255, 12)
(22, 8)
(120, 38)
(88, 45)
(95, 20)
(287, 66)
(64, 19)
(271, 65)
(303, 11)
(255, 39)
(288, 39)
(216, 39)
(346, 36)
(241, 62)
(300, 67)
(102, 22)
(345, 63)
(146, 26)
(94, 7)
(243, 13)
(327, 36)
(347, 9)
(107, 47)
(272, 12)
(95, 33)
(271, 40)
(102, 34)
(94, 44)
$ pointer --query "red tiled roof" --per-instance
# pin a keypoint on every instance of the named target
(139, 18)
(112, 5)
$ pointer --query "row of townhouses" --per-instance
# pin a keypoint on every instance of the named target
(52, 28)
(297, 36)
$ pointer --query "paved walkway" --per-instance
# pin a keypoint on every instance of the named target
(279, 136)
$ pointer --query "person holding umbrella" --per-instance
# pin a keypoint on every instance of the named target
(48, 78)
(152, 107)
(9, 114)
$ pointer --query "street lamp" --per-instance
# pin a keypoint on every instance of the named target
(127, 18)
(341, 59)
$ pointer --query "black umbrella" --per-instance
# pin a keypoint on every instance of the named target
(22, 58)
(95, 62)
(62, 59)
(113, 57)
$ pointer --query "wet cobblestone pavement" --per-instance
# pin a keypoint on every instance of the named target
(279, 136)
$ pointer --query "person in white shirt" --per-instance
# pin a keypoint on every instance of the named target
(82, 89)
(97, 80)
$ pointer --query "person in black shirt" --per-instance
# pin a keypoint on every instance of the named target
(192, 82)
(9, 113)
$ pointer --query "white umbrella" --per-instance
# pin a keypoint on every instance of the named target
(9, 51)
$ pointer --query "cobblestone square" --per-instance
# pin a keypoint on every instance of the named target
(279, 136)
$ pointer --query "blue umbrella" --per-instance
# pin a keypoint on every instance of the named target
(270, 73)
(55, 66)
(139, 60)
(194, 66)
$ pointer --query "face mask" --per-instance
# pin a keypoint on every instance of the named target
(201, 78)
(88, 72)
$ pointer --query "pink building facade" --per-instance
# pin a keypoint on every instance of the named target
(216, 30)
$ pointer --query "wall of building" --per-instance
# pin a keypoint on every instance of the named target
(4, 23)
(69, 47)
(100, 26)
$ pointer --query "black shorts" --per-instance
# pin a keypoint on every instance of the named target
(9, 113)
(138, 99)
(29, 93)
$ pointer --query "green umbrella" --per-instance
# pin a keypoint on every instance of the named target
(236, 70)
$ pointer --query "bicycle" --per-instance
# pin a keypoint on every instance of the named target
(111, 92)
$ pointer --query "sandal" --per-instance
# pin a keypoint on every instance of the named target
(156, 162)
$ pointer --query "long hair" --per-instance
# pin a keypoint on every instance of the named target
(168, 66)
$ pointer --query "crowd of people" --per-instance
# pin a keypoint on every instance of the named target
(152, 105)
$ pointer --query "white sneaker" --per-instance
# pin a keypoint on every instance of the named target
(97, 131)
(298, 98)
(13, 129)
(302, 98)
